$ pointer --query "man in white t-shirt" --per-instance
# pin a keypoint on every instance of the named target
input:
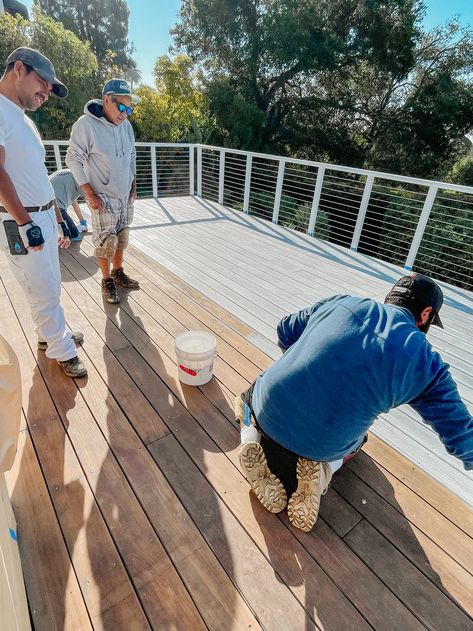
(31, 228)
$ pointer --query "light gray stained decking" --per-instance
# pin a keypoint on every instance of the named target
(259, 272)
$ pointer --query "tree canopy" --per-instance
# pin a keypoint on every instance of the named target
(176, 110)
(351, 81)
(73, 60)
(356, 82)
(103, 23)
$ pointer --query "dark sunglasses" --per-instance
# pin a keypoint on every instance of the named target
(123, 108)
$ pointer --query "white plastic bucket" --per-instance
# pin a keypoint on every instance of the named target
(195, 352)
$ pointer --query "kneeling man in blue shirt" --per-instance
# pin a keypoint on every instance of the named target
(345, 361)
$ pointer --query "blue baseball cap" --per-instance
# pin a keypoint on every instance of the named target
(119, 87)
(41, 65)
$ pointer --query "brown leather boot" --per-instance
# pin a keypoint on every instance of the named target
(109, 291)
(123, 280)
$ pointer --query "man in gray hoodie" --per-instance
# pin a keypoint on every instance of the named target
(102, 159)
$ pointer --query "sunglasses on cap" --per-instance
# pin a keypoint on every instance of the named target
(123, 108)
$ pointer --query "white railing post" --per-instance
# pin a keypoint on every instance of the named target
(57, 155)
(362, 213)
(154, 174)
(191, 171)
(277, 197)
(246, 196)
(199, 171)
(316, 200)
(221, 176)
(419, 233)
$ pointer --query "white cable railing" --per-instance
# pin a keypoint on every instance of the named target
(416, 223)
(162, 169)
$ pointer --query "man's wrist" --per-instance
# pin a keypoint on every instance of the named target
(24, 219)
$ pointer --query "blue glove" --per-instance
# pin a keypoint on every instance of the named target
(31, 235)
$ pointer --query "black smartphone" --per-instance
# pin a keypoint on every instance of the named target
(15, 242)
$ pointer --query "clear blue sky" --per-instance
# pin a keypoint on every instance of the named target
(150, 23)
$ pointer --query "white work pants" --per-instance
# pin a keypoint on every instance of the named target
(39, 275)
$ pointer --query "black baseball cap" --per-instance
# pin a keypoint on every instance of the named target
(420, 290)
(41, 65)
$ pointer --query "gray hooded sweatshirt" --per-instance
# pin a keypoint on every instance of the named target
(102, 154)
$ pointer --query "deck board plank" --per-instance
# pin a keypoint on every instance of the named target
(416, 510)
(433, 608)
(53, 590)
(428, 557)
(442, 500)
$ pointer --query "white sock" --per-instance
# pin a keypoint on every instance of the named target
(249, 435)
(335, 465)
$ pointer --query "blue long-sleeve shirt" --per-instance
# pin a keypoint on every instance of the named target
(348, 360)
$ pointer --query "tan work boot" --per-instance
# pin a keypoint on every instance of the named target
(109, 291)
(266, 486)
(73, 367)
(123, 280)
(313, 480)
(77, 337)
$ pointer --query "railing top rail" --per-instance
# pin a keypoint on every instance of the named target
(335, 167)
(332, 167)
(165, 144)
(138, 144)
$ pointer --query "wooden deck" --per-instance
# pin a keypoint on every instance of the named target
(132, 511)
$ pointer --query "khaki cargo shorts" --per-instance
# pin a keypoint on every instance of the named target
(110, 226)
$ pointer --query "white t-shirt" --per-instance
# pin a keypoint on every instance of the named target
(24, 155)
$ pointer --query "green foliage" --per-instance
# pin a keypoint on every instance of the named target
(446, 250)
(14, 32)
(103, 23)
(132, 74)
(77, 67)
(150, 118)
(462, 171)
(294, 214)
(74, 62)
(243, 124)
(177, 111)
(350, 82)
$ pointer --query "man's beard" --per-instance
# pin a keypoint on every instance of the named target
(425, 327)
